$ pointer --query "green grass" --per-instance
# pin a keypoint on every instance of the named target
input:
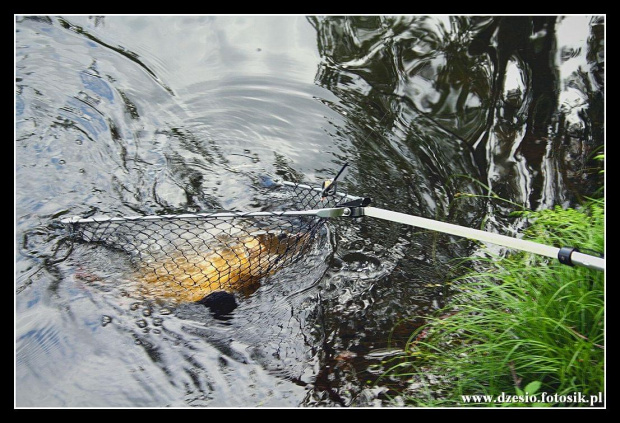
(515, 325)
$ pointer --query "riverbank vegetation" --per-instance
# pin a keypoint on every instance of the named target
(519, 325)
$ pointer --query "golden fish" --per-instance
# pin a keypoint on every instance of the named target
(236, 267)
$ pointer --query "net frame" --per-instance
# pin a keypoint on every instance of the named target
(188, 256)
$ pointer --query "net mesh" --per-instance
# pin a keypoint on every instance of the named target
(186, 257)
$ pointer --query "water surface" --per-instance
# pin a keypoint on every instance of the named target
(152, 115)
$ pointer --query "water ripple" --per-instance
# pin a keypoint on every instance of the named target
(125, 115)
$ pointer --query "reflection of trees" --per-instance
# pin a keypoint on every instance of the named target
(533, 55)
(395, 144)
(491, 83)
(424, 99)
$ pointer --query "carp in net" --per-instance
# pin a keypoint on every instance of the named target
(186, 257)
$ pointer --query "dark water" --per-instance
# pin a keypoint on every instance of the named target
(155, 115)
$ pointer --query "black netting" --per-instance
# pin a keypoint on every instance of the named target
(186, 257)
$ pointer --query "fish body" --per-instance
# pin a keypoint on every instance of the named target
(190, 275)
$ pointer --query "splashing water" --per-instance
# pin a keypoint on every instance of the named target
(159, 115)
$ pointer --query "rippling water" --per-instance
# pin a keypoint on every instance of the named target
(153, 115)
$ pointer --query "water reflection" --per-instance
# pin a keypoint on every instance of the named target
(100, 129)
(503, 86)
(513, 102)
(152, 115)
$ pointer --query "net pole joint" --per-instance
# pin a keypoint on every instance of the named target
(355, 208)
(564, 255)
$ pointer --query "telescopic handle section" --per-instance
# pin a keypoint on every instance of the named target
(325, 213)
(588, 261)
(493, 238)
